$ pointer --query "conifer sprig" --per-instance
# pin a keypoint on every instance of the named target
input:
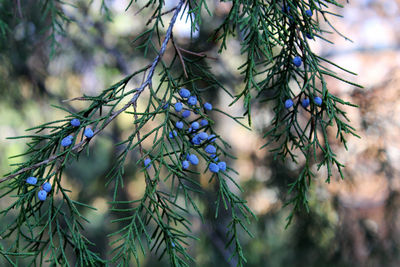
(274, 38)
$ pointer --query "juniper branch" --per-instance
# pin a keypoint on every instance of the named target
(78, 147)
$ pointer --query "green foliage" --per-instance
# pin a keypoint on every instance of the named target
(159, 221)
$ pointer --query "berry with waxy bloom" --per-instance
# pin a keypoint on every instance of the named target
(66, 141)
(192, 100)
(213, 167)
(193, 159)
(210, 149)
(309, 12)
(75, 122)
(147, 163)
(318, 101)
(42, 195)
(185, 164)
(186, 113)
(88, 133)
(204, 122)
(179, 124)
(203, 135)
(222, 165)
(183, 92)
(46, 187)
(31, 180)
(178, 107)
(196, 140)
(305, 102)
(288, 103)
(214, 157)
(207, 106)
(212, 138)
(195, 125)
(297, 61)
(172, 134)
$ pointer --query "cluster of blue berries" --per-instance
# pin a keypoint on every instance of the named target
(45, 188)
(67, 141)
(304, 103)
(193, 131)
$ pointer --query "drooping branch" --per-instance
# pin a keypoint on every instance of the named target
(78, 147)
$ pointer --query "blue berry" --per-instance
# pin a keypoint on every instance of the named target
(210, 149)
(166, 106)
(31, 180)
(88, 133)
(46, 187)
(207, 106)
(222, 165)
(309, 35)
(212, 138)
(42, 195)
(75, 122)
(309, 12)
(185, 164)
(189, 130)
(288, 103)
(147, 163)
(204, 122)
(193, 159)
(297, 61)
(318, 101)
(305, 102)
(173, 134)
(196, 140)
(179, 124)
(186, 113)
(213, 168)
(214, 157)
(203, 136)
(67, 141)
(178, 107)
(195, 125)
(192, 100)
(70, 137)
(183, 92)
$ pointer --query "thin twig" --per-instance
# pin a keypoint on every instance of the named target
(162, 14)
(78, 147)
(201, 54)
(180, 57)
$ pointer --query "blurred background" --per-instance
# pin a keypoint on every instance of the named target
(355, 221)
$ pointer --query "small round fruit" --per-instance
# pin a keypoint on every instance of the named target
(31, 180)
(46, 187)
(185, 164)
(179, 124)
(178, 107)
(66, 141)
(88, 133)
(207, 106)
(305, 102)
(195, 125)
(210, 149)
(42, 195)
(193, 159)
(213, 168)
(222, 165)
(147, 163)
(75, 122)
(288, 103)
(297, 61)
(317, 101)
(183, 92)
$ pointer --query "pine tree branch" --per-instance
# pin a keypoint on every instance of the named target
(147, 82)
